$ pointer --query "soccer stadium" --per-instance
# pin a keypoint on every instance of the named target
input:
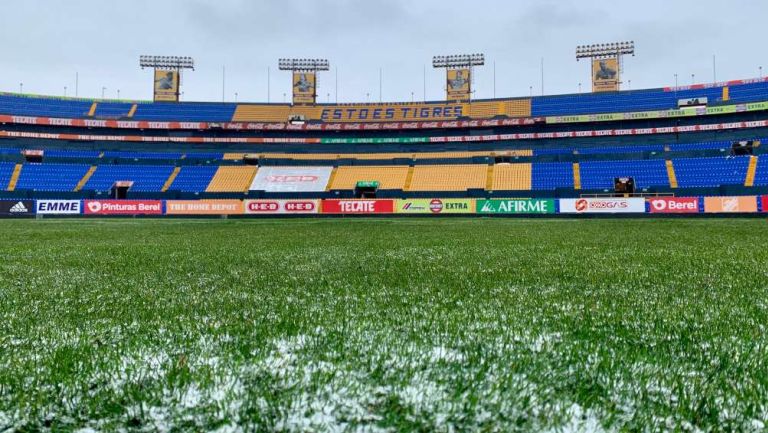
(582, 261)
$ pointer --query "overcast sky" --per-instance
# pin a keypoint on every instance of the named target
(45, 42)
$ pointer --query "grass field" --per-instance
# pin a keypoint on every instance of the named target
(384, 325)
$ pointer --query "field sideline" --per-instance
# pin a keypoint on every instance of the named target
(384, 325)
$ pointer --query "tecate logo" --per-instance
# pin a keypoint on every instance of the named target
(436, 206)
(357, 206)
(291, 179)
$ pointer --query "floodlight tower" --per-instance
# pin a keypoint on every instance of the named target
(454, 66)
(598, 52)
(304, 77)
(167, 74)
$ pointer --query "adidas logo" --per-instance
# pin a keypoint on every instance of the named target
(19, 208)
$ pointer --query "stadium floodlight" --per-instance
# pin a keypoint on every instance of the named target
(458, 61)
(167, 62)
(614, 49)
(304, 65)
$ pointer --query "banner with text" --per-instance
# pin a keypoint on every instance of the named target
(435, 206)
(605, 75)
(59, 207)
(673, 205)
(602, 205)
(458, 83)
(270, 207)
(203, 207)
(358, 207)
(304, 87)
(291, 179)
(17, 207)
(516, 206)
(123, 207)
(740, 204)
(166, 85)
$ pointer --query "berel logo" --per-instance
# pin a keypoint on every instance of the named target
(94, 206)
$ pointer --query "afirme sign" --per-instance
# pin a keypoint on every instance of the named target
(59, 207)
(17, 207)
(516, 206)
(602, 205)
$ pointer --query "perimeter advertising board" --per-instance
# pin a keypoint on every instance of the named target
(203, 207)
(673, 205)
(283, 207)
(435, 206)
(17, 207)
(123, 207)
(59, 207)
(358, 207)
(765, 203)
(741, 204)
(602, 205)
(516, 206)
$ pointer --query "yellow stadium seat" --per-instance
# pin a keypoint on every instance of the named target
(512, 177)
(232, 179)
(389, 177)
(458, 177)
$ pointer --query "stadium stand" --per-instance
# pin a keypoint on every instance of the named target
(232, 179)
(145, 178)
(711, 172)
(761, 173)
(457, 177)
(51, 177)
(193, 178)
(601, 174)
(512, 177)
(6, 171)
(552, 175)
(389, 177)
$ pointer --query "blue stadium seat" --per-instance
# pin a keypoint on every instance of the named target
(711, 172)
(552, 175)
(193, 178)
(601, 174)
(51, 177)
(146, 178)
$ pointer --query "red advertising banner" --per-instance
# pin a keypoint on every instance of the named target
(765, 203)
(267, 207)
(358, 207)
(673, 205)
(123, 207)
